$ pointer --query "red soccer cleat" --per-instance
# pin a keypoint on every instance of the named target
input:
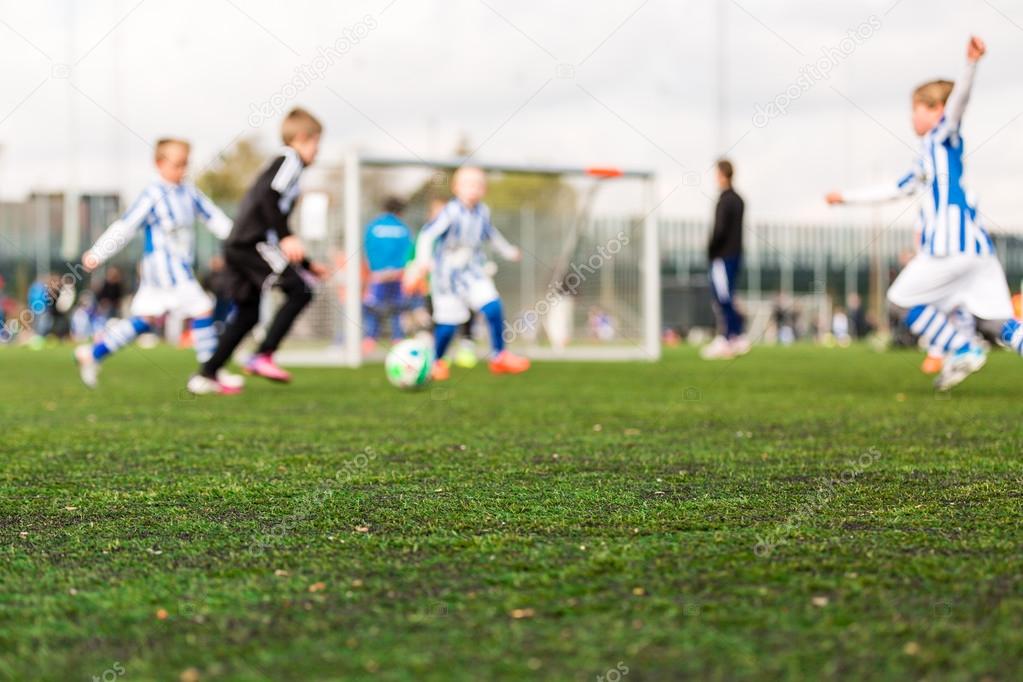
(441, 370)
(932, 364)
(508, 363)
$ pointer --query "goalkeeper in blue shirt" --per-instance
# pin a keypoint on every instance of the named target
(388, 248)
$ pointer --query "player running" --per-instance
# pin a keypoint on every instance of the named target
(165, 213)
(459, 284)
(956, 263)
(261, 253)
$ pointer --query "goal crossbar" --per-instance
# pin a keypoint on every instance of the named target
(648, 349)
(490, 167)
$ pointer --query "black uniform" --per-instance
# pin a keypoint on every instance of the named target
(254, 261)
(726, 240)
(724, 256)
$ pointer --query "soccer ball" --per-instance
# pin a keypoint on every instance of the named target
(408, 364)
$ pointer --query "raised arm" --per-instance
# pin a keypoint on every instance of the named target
(119, 234)
(955, 106)
(215, 220)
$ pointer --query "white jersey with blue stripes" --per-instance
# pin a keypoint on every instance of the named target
(165, 214)
(455, 241)
(949, 222)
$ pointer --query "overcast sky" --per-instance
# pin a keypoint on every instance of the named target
(571, 82)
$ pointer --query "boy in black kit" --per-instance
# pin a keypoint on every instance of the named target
(261, 252)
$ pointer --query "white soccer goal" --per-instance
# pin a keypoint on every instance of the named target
(588, 285)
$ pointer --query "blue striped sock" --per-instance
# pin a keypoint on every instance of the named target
(934, 327)
(1012, 336)
(204, 338)
(118, 335)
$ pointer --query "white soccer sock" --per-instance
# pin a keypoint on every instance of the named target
(118, 335)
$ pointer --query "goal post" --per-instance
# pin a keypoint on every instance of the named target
(612, 314)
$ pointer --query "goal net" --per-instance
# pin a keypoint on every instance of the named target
(587, 286)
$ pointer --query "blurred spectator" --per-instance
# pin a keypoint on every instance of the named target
(784, 321)
(40, 305)
(840, 327)
(82, 317)
(110, 295)
(64, 296)
(601, 324)
(5, 333)
(859, 324)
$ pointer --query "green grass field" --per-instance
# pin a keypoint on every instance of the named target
(798, 514)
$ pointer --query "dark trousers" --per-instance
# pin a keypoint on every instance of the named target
(383, 299)
(724, 273)
(246, 317)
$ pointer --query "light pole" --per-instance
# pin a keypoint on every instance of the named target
(721, 78)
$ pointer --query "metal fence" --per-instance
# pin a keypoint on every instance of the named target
(799, 258)
(780, 258)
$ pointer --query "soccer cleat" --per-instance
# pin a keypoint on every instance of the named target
(740, 345)
(230, 379)
(369, 344)
(508, 363)
(88, 368)
(718, 349)
(264, 366)
(200, 385)
(961, 364)
(441, 371)
(932, 364)
(465, 356)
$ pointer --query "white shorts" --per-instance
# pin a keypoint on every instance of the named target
(974, 283)
(455, 308)
(186, 298)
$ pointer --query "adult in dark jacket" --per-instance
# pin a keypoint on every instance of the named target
(724, 256)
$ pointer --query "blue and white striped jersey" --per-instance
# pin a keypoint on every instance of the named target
(949, 222)
(165, 214)
(454, 241)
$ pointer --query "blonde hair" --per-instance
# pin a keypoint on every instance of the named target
(299, 122)
(161, 146)
(933, 93)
